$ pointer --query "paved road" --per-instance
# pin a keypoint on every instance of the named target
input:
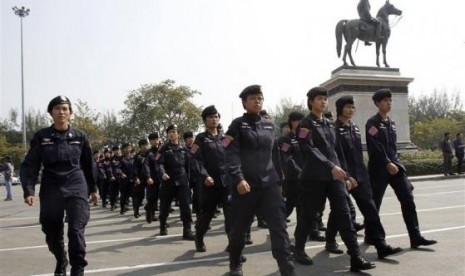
(122, 245)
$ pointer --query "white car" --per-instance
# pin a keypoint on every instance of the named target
(15, 180)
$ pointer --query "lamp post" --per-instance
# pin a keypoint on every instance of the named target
(23, 12)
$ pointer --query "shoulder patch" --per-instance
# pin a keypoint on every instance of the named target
(194, 148)
(227, 140)
(303, 133)
(372, 131)
(285, 147)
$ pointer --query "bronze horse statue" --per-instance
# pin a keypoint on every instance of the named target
(365, 31)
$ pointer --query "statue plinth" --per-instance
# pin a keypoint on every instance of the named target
(361, 83)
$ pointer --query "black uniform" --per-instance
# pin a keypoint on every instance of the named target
(292, 161)
(317, 139)
(116, 181)
(381, 140)
(68, 177)
(173, 159)
(152, 190)
(210, 158)
(128, 173)
(249, 141)
(141, 163)
(109, 178)
(155, 177)
(350, 154)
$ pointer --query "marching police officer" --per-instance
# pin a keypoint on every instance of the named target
(210, 158)
(154, 139)
(323, 177)
(385, 167)
(350, 153)
(68, 177)
(128, 172)
(142, 177)
(173, 165)
(292, 160)
(254, 182)
(116, 180)
(109, 177)
(188, 138)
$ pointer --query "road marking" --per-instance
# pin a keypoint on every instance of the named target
(202, 260)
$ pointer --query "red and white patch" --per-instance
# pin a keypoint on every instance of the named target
(285, 147)
(227, 140)
(194, 148)
(372, 131)
(303, 133)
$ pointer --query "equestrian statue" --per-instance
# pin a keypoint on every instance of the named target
(367, 28)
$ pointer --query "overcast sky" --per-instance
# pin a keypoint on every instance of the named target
(97, 51)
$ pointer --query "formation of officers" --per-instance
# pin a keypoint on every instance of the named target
(249, 172)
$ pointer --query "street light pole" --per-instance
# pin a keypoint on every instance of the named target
(23, 12)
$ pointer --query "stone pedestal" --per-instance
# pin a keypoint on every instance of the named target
(361, 83)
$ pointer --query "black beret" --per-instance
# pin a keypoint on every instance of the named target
(209, 110)
(342, 101)
(171, 127)
(187, 134)
(115, 148)
(381, 94)
(250, 90)
(317, 91)
(125, 145)
(58, 100)
(295, 116)
(154, 135)
(143, 142)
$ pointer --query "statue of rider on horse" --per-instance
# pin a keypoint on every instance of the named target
(367, 29)
(363, 9)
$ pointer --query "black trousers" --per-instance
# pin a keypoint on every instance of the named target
(459, 163)
(447, 162)
(270, 203)
(138, 192)
(210, 198)
(114, 191)
(313, 195)
(291, 192)
(105, 191)
(195, 187)
(182, 193)
(374, 230)
(403, 190)
(52, 210)
(151, 194)
(125, 186)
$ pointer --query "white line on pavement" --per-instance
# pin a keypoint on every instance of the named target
(176, 263)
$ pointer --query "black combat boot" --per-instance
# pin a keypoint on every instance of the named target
(62, 264)
(359, 263)
(163, 231)
(235, 265)
(199, 244)
(187, 233)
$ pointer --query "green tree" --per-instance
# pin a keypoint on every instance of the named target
(432, 115)
(280, 113)
(85, 119)
(36, 120)
(114, 131)
(155, 106)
